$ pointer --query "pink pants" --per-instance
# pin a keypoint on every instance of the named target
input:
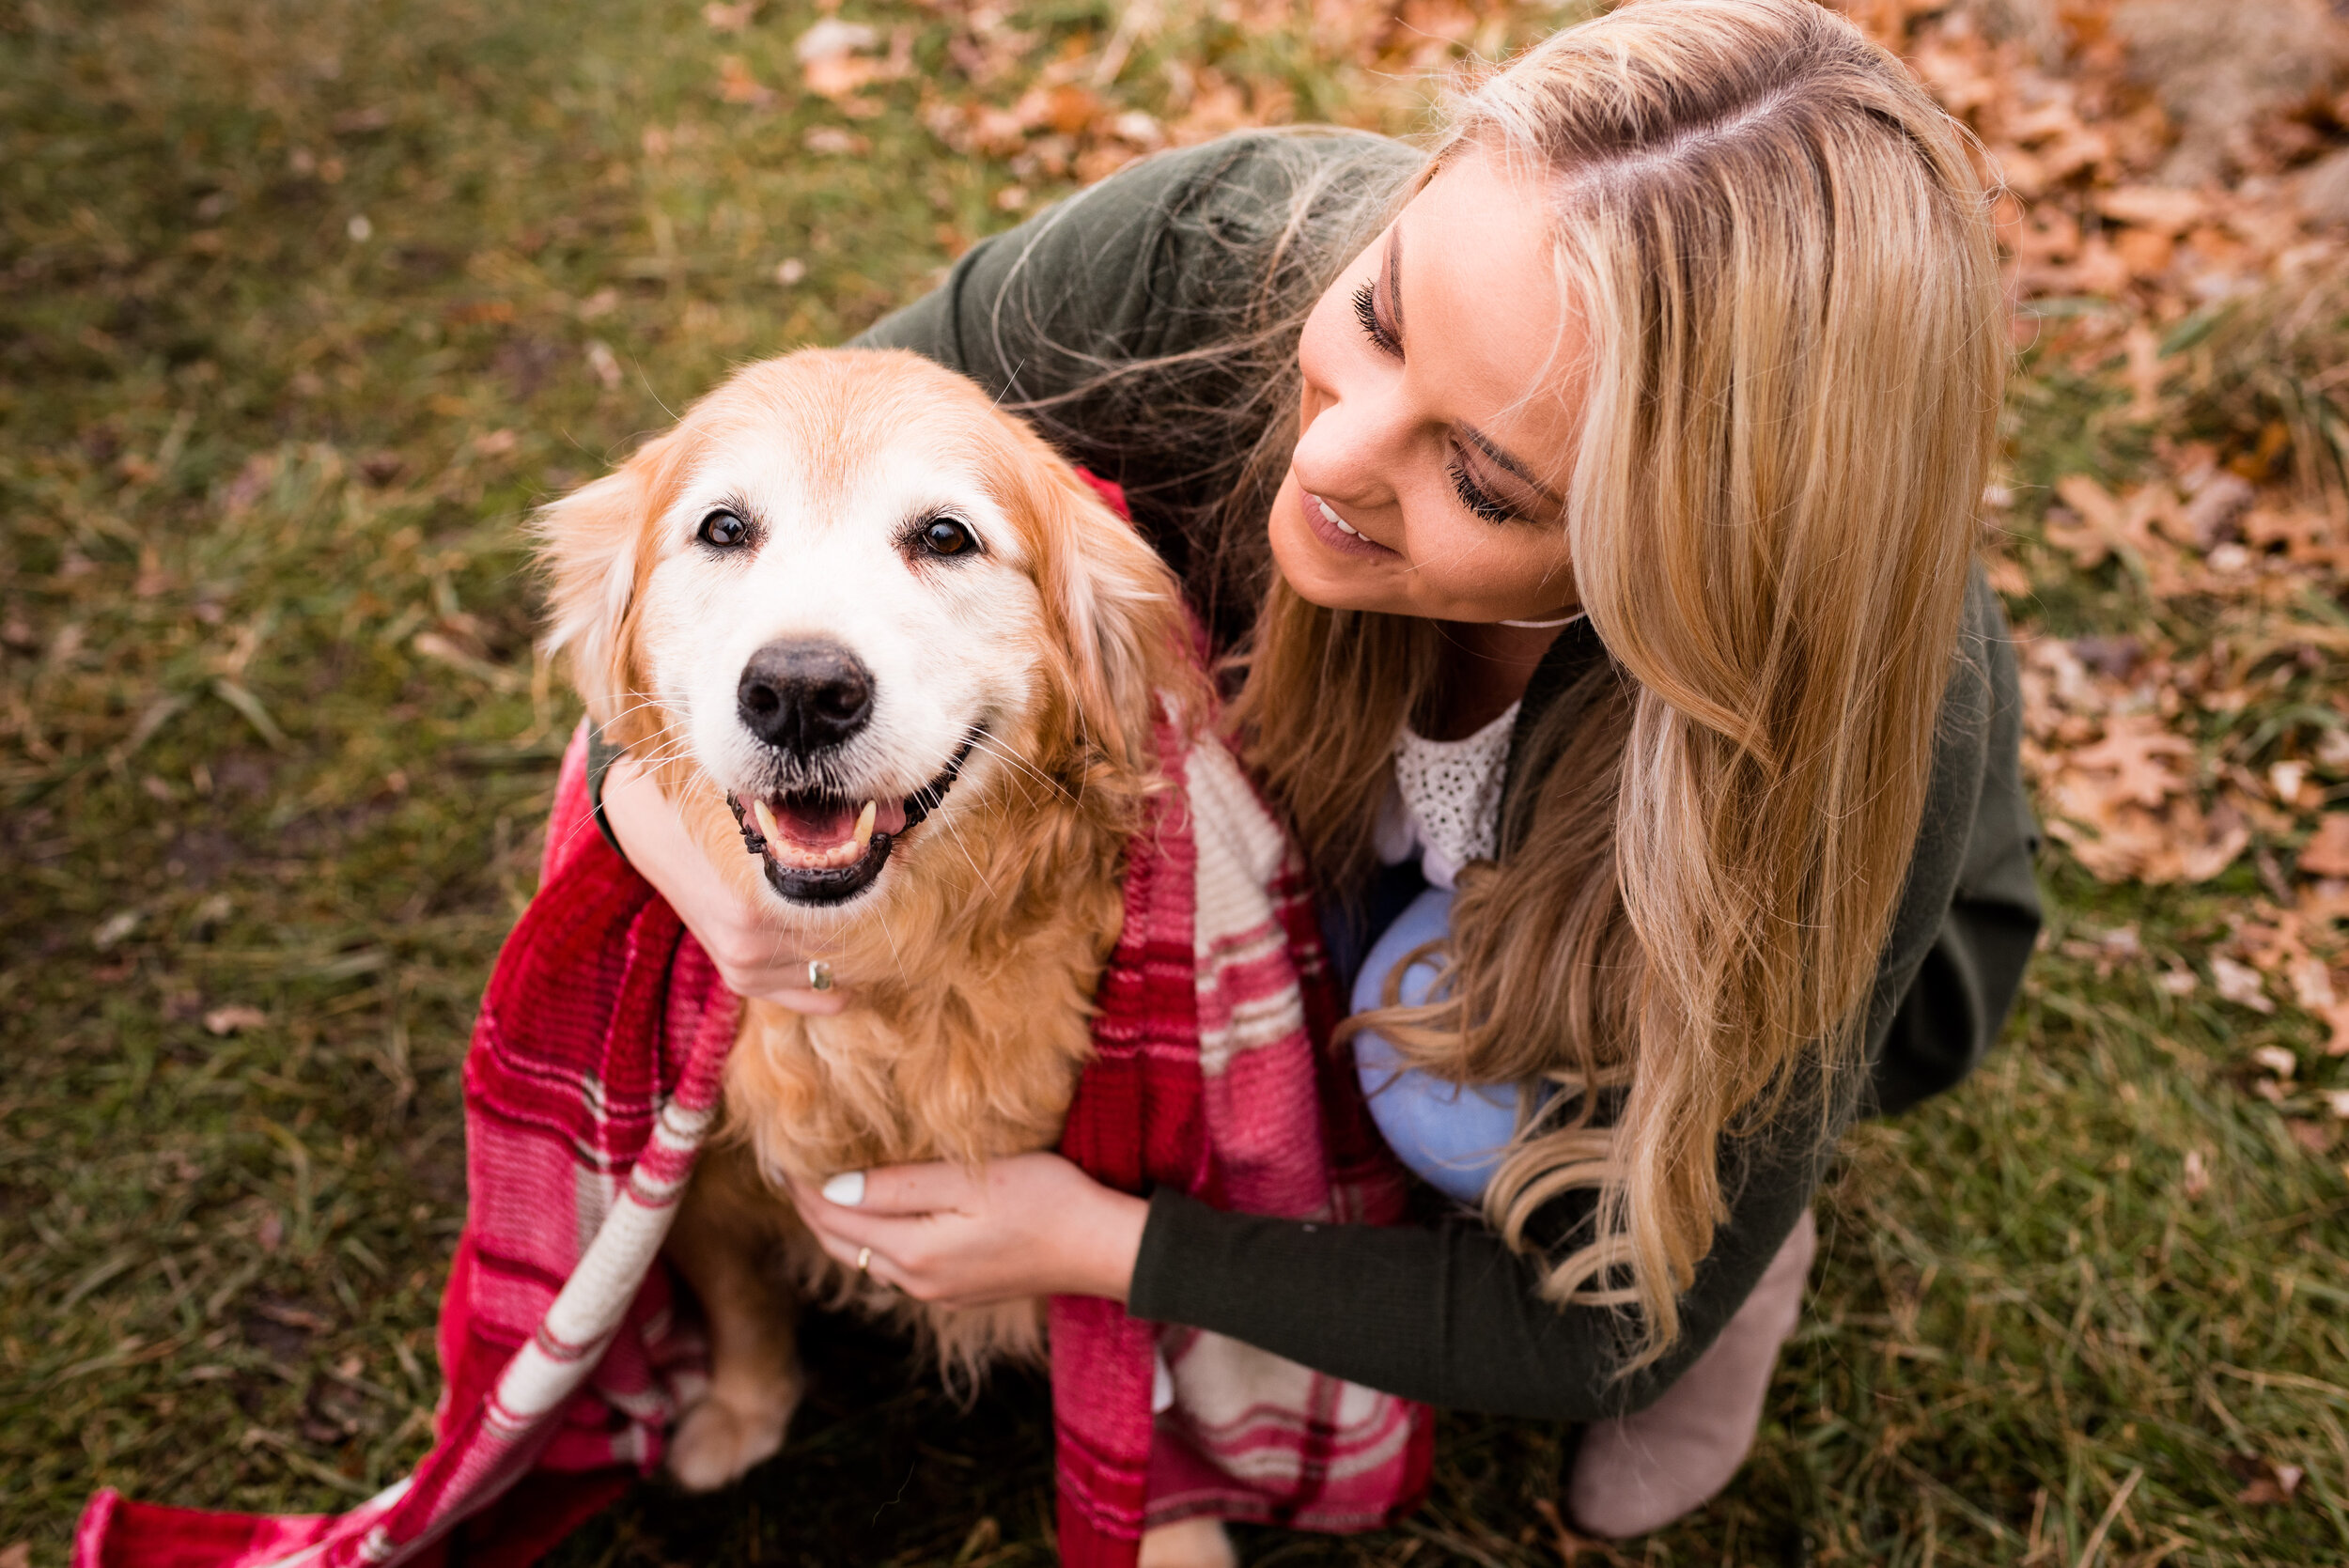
(1642, 1471)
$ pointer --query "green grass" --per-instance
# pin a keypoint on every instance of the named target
(252, 449)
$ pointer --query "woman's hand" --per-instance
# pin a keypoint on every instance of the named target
(754, 956)
(1029, 1225)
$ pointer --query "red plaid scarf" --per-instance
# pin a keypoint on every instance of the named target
(593, 1076)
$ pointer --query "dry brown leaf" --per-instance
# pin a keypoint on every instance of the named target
(2162, 210)
(830, 141)
(2241, 984)
(224, 1021)
(2312, 984)
(735, 85)
(2144, 348)
(256, 476)
(836, 62)
(832, 38)
(2317, 1138)
(2213, 506)
(2099, 522)
(2294, 788)
(2139, 754)
(2327, 854)
(2269, 1483)
(2179, 844)
(2336, 1019)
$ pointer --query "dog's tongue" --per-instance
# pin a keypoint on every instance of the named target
(816, 823)
(829, 824)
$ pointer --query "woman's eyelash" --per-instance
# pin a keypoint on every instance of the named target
(1474, 497)
(1366, 312)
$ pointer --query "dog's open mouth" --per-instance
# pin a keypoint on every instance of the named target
(826, 848)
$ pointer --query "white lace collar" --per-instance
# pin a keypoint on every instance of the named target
(1446, 805)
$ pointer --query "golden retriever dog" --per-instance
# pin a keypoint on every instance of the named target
(860, 622)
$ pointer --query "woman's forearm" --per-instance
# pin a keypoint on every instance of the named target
(1448, 1315)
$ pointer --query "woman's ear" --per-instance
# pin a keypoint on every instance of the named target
(594, 548)
(1121, 622)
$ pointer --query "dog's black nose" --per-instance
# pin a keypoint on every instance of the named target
(803, 697)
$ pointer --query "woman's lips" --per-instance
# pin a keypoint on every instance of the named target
(1335, 531)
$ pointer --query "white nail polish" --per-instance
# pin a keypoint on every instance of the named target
(847, 1189)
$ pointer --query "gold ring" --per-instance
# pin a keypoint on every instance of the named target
(818, 975)
(864, 1260)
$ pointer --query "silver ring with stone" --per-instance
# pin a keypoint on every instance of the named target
(818, 975)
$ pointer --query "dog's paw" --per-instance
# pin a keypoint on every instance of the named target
(716, 1443)
(1189, 1543)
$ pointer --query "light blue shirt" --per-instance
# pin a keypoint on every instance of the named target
(1452, 1134)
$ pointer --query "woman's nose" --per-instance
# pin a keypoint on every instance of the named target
(1352, 447)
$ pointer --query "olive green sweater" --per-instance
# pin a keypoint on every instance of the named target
(1161, 260)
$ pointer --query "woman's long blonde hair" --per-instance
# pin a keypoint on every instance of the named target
(1780, 249)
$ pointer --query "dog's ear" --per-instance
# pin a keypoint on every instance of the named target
(593, 545)
(1121, 621)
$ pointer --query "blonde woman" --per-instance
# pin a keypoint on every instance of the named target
(1591, 505)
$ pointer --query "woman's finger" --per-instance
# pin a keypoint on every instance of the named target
(898, 1250)
(937, 1186)
(896, 1235)
(876, 1263)
(901, 1235)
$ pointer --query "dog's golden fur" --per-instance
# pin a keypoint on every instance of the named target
(971, 963)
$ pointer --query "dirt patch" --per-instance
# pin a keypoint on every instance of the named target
(280, 1327)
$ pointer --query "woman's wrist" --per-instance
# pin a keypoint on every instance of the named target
(1111, 1246)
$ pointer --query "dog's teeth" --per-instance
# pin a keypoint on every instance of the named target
(862, 839)
(766, 821)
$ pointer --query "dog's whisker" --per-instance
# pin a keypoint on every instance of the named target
(659, 750)
(1084, 741)
(775, 954)
(638, 701)
(1031, 797)
(896, 953)
(646, 768)
(959, 843)
(611, 791)
(648, 703)
(979, 735)
(988, 743)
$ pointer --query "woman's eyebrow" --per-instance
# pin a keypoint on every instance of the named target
(1508, 464)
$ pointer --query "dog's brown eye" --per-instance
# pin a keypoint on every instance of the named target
(946, 536)
(724, 529)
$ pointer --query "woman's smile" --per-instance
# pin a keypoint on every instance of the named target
(1335, 531)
